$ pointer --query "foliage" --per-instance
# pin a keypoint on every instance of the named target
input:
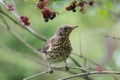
(99, 20)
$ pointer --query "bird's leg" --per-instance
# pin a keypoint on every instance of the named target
(50, 68)
(66, 67)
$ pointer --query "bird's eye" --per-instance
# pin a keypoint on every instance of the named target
(65, 28)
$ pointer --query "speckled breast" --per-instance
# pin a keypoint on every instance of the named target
(59, 52)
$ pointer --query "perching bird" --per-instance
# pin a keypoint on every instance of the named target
(58, 47)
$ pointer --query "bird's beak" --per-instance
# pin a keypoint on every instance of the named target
(73, 27)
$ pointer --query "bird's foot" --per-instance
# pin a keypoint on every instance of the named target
(50, 70)
(67, 68)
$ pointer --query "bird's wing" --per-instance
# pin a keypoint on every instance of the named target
(48, 46)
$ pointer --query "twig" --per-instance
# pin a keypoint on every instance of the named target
(20, 54)
(38, 74)
(90, 73)
(56, 68)
(36, 61)
(25, 27)
(87, 59)
(112, 37)
(29, 46)
(81, 54)
(75, 61)
(85, 77)
(15, 35)
(71, 67)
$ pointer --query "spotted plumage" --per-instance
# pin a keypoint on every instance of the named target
(58, 48)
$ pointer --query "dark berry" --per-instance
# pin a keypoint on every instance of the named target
(74, 10)
(26, 23)
(91, 3)
(82, 3)
(46, 13)
(68, 8)
(72, 6)
(46, 19)
(24, 18)
(10, 7)
(52, 15)
(41, 5)
(41, 0)
(74, 3)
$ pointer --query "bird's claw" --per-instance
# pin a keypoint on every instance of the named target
(67, 69)
(50, 70)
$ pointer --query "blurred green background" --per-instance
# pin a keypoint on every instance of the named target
(97, 22)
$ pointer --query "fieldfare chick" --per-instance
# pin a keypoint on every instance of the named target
(58, 47)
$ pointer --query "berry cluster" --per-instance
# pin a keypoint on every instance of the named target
(72, 6)
(99, 68)
(81, 4)
(41, 4)
(10, 7)
(47, 13)
(25, 19)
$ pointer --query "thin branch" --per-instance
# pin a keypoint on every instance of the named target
(38, 74)
(112, 37)
(71, 67)
(20, 54)
(75, 61)
(81, 54)
(56, 68)
(116, 78)
(87, 59)
(15, 35)
(25, 27)
(85, 70)
(39, 62)
(29, 46)
(90, 73)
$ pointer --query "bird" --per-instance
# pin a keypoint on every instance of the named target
(58, 47)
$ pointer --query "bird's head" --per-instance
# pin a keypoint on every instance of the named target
(65, 30)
